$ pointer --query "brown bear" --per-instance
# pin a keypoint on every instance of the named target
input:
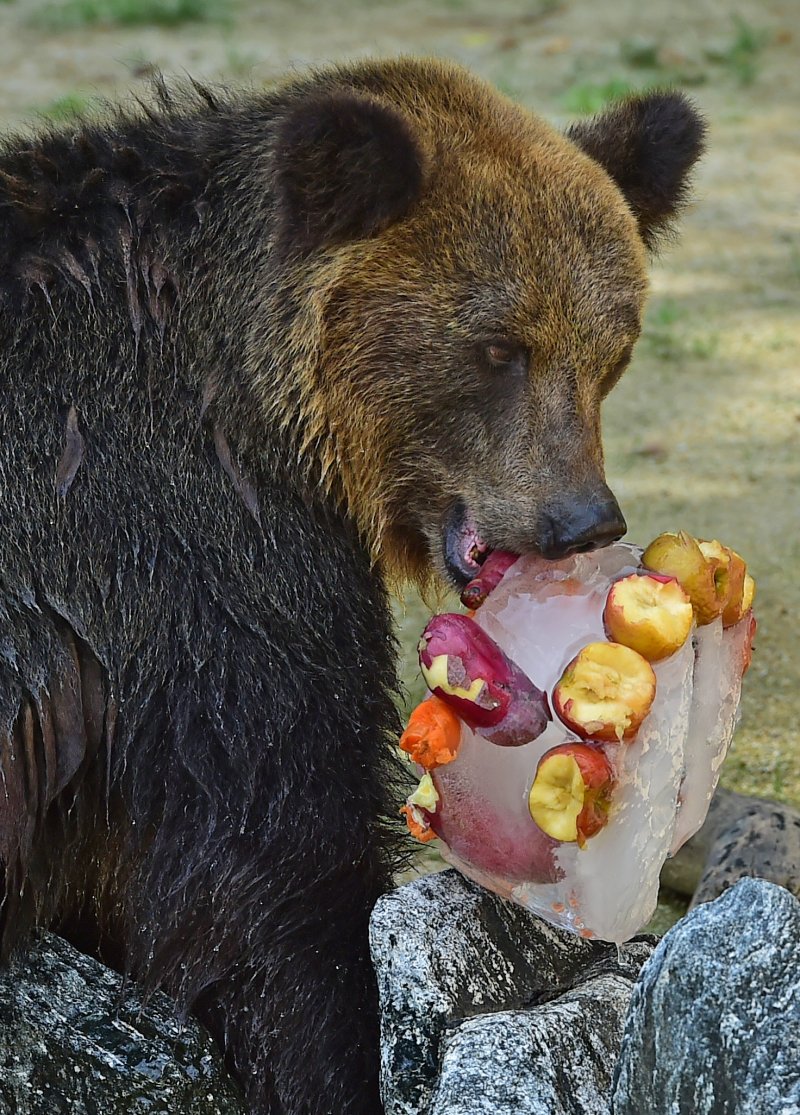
(260, 355)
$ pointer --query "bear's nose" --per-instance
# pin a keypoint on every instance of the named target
(584, 525)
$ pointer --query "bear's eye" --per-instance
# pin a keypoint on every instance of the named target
(502, 353)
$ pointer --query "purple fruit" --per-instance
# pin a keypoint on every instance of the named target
(467, 670)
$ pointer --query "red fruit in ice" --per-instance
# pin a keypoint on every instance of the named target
(571, 792)
(605, 692)
(466, 669)
(492, 572)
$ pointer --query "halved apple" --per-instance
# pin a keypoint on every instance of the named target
(605, 692)
(649, 613)
(679, 555)
(733, 580)
(570, 795)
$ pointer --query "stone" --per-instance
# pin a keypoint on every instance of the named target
(714, 1021)
(74, 1041)
(557, 1059)
(770, 828)
(763, 842)
(446, 950)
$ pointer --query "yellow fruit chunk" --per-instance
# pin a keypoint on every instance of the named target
(679, 555)
(649, 613)
(425, 795)
(556, 797)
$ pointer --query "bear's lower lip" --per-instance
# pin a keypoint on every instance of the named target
(464, 548)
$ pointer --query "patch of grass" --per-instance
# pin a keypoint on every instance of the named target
(642, 53)
(587, 98)
(667, 337)
(130, 13)
(240, 62)
(742, 56)
(68, 107)
(702, 346)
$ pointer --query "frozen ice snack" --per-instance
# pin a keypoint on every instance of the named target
(579, 716)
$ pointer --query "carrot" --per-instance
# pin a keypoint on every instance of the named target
(418, 824)
(433, 734)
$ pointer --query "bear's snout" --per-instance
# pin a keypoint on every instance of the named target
(583, 523)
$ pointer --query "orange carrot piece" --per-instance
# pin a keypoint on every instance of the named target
(433, 734)
(421, 831)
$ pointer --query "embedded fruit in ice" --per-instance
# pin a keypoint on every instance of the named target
(466, 669)
(605, 692)
(433, 734)
(571, 792)
(650, 613)
(679, 555)
(492, 572)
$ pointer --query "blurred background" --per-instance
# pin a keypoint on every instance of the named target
(703, 433)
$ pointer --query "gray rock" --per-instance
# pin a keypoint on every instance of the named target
(775, 856)
(555, 1060)
(446, 950)
(763, 842)
(73, 1043)
(714, 1022)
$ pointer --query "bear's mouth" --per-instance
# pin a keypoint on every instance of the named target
(465, 549)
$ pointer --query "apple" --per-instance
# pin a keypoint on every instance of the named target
(465, 668)
(649, 613)
(734, 580)
(570, 796)
(679, 555)
(605, 692)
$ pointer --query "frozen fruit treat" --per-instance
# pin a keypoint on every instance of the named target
(578, 719)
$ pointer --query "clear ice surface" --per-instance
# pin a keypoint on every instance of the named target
(542, 614)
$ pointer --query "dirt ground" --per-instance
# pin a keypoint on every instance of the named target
(703, 433)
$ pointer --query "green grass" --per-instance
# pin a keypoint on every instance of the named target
(130, 13)
(587, 98)
(68, 107)
(742, 56)
(667, 337)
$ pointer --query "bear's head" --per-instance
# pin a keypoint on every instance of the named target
(470, 286)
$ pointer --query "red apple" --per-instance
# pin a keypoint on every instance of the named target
(605, 692)
(570, 796)
(649, 613)
(680, 556)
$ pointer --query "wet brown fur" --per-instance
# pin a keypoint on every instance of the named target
(517, 233)
(244, 380)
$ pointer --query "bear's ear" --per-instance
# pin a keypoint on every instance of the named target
(346, 166)
(648, 144)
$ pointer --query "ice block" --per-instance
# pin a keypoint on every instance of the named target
(625, 679)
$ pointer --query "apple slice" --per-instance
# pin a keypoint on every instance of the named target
(571, 792)
(730, 576)
(466, 669)
(605, 692)
(649, 613)
(680, 556)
